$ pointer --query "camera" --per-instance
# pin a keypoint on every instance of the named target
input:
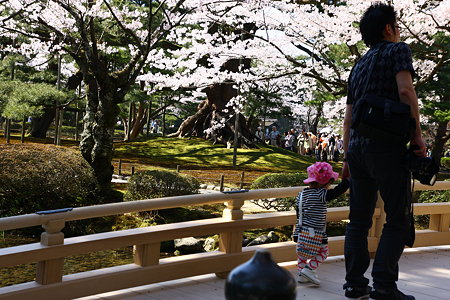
(424, 169)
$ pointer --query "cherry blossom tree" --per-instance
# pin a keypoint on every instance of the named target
(109, 41)
(308, 41)
(217, 50)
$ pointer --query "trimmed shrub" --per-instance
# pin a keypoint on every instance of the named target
(429, 197)
(445, 162)
(433, 196)
(160, 183)
(36, 177)
(277, 180)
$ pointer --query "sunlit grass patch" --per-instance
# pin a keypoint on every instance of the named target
(198, 153)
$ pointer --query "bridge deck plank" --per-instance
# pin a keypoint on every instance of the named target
(423, 273)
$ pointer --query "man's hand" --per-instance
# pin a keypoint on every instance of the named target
(345, 170)
(419, 146)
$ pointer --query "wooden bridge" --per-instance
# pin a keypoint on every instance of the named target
(148, 268)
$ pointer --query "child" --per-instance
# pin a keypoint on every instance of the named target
(309, 233)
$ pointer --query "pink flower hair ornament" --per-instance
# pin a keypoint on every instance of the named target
(321, 172)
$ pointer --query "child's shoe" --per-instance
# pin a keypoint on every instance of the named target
(302, 279)
(310, 275)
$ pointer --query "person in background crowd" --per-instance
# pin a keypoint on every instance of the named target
(259, 134)
(325, 144)
(294, 144)
(331, 147)
(313, 142)
(339, 148)
(318, 148)
(301, 140)
(274, 136)
(289, 141)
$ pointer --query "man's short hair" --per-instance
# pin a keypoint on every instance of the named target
(373, 21)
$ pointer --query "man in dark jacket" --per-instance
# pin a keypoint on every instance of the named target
(379, 166)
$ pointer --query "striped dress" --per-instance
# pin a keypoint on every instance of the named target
(314, 205)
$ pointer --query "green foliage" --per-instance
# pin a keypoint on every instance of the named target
(26, 73)
(160, 183)
(339, 201)
(130, 221)
(340, 54)
(429, 197)
(433, 196)
(19, 99)
(36, 177)
(434, 92)
(277, 180)
(265, 100)
(445, 162)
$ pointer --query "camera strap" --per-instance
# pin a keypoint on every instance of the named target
(410, 206)
(410, 198)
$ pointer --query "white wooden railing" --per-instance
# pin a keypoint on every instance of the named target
(149, 268)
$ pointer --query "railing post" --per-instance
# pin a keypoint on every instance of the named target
(147, 254)
(51, 271)
(222, 177)
(231, 242)
(242, 180)
(119, 168)
(439, 222)
(22, 134)
(8, 131)
(377, 223)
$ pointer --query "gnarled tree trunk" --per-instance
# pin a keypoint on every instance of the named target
(96, 143)
(211, 112)
(40, 125)
(440, 140)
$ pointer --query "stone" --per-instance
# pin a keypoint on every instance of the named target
(211, 244)
(189, 245)
(271, 237)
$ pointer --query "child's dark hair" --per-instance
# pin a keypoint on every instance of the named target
(373, 21)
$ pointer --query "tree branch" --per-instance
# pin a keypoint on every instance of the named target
(126, 30)
(436, 68)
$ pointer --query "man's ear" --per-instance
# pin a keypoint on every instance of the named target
(388, 30)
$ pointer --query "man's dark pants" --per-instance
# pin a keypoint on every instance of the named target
(385, 170)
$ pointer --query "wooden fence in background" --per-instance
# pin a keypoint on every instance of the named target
(232, 178)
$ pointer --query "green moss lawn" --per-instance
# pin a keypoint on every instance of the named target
(196, 153)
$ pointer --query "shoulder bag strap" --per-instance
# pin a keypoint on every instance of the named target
(369, 72)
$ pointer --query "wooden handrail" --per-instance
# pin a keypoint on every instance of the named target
(117, 239)
(103, 210)
(80, 213)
